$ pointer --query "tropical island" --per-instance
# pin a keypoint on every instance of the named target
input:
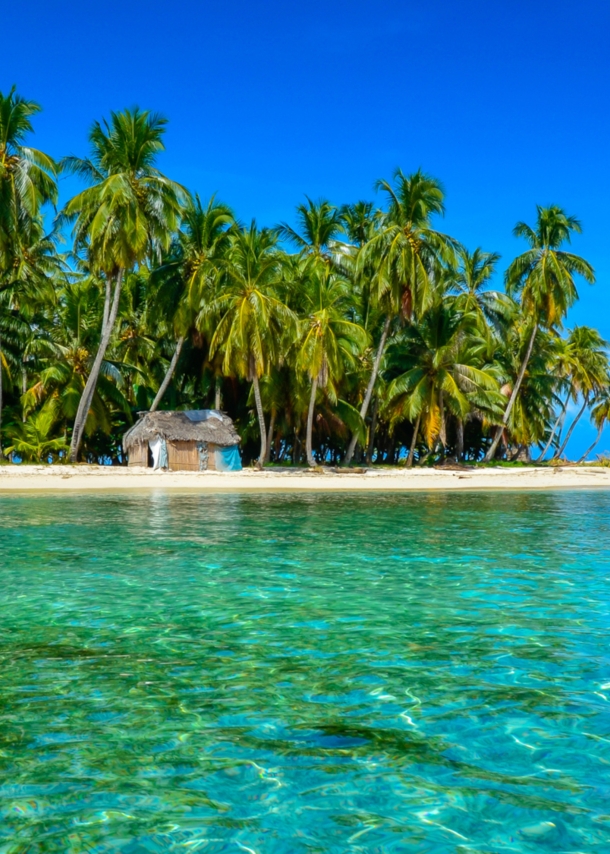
(304, 527)
(363, 335)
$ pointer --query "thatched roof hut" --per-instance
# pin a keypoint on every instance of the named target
(193, 440)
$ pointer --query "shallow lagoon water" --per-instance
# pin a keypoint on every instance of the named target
(422, 673)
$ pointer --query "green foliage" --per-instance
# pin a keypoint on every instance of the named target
(544, 275)
(356, 321)
(129, 207)
(33, 440)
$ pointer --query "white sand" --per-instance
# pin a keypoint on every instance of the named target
(84, 477)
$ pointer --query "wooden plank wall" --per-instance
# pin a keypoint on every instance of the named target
(182, 456)
(138, 455)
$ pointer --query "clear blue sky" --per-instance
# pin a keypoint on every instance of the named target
(507, 103)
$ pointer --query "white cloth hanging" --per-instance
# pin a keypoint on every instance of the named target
(155, 446)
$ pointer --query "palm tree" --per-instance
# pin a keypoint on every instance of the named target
(407, 254)
(138, 328)
(360, 222)
(27, 182)
(127, 214)
(562, 363)
(544, 278)
(329, 341)
(445, 373)
(533, 407)
(12, 329)
(190, 274)
(589, 372)
(580, 366)
(32, 440)
(62, 351)
(252, 323)
(27, 175)
(600, 415)
(32, 270)
(471, 281)
(320, 224)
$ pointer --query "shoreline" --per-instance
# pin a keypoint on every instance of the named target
(85, 478)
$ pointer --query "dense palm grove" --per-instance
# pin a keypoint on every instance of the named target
(364, 334)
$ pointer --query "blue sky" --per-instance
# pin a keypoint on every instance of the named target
(506, 103)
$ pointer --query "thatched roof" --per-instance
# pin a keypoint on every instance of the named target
(199, 425)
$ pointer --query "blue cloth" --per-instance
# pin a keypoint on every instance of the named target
(198, 415)
(228, 459)
(163, 460)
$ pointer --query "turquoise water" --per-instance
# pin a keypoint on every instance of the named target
(417, 673)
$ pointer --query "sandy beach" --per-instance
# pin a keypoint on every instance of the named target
(88, 477)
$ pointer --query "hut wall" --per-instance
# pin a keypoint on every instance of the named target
(138, 455)
(182, 456)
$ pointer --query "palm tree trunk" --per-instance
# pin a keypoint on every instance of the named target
(442, 434)
(261, 420)
(369, 390)
(555, 426)
(588, 451)
(509, 408)
(459, 445)
(560, 450)
(1, 401)
(270, 436)
(168, 375)
(371, 445)
(562, 424)
(521, 450)
(111, 308)
(217, 393)
(413, 442)
(24, 388)
(310, 411)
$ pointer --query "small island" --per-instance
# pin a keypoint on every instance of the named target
(361, 334)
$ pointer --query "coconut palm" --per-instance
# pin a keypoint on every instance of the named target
(579, 364)
(27, 182)
(189, 275)
(561, 368)
(407, 255)
(446, 373)
(320, 225)
(329, 341)
(135, 346)
(360, 222)
(27, 175)
(32, 440)
(13, 331)
(600, 415)
(63, 351)
(127, 214)
(533, 409)
(589, 372)
(543, 277)
(471, 279)
(32, 272)
(252, 323)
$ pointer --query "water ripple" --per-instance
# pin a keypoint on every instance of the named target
(419, 674)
